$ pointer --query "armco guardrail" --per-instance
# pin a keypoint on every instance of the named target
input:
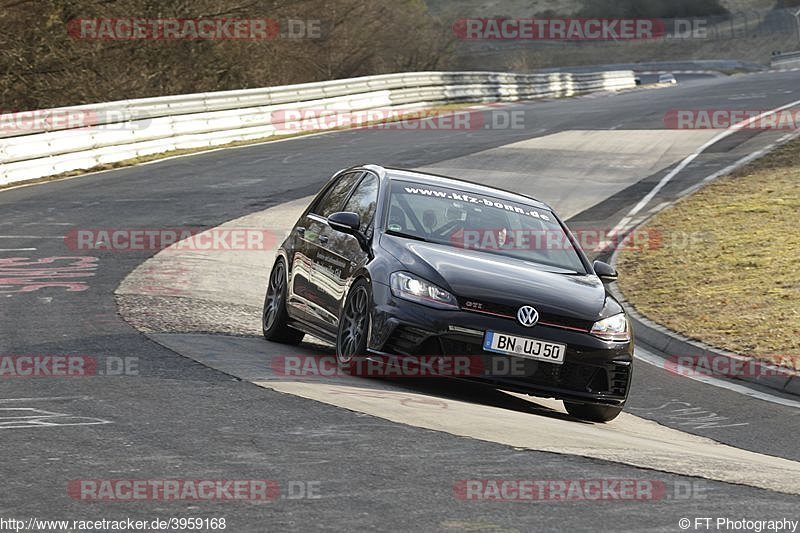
(122, 130)
(789, 59)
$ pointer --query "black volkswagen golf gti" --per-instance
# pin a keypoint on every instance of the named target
(389, 263)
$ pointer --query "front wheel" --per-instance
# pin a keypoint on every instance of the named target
(351, 339)
(593, 412)
(274, 318)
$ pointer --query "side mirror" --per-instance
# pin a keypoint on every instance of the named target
(350, 224)
(345, 222)
(604, 271)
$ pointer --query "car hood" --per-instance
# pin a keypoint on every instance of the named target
(482, 277)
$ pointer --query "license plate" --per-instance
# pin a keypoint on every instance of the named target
(524, 347)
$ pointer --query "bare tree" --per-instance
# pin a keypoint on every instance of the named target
(42, 65)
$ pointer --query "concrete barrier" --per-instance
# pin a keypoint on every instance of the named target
(110, 132)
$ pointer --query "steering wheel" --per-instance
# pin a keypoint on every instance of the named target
(448, 228)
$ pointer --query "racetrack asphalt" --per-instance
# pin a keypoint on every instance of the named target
(180, 419)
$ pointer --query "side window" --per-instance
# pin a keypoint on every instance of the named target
(364, 200)
(332, 202)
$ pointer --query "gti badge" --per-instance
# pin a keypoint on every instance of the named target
(527, 316)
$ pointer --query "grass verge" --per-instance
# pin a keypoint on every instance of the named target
(727, 271)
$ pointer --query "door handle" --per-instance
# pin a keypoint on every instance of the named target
(323, 239)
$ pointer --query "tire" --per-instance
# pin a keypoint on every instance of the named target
(593, 412)
(274, 318)
(354, 324)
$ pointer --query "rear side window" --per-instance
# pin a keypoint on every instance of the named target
(332, 202)
(364, 200)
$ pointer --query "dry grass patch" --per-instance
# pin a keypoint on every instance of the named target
(728, 272)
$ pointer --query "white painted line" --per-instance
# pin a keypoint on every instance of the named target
(653, 359)
(683, 164)
(730, 168)
(659, 207)
(45, 398)
(17, 249)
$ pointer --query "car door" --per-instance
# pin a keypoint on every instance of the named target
(340, 255)
(309, 233)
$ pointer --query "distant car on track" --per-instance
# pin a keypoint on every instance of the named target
(667, 78)
(393, 263)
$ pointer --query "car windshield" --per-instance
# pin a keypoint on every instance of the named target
(456, 218)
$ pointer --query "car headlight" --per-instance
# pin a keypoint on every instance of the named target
(410, 287)
(614, 328)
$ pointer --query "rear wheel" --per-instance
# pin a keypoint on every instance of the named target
(351, 340)
(593, 412)
(274, 318)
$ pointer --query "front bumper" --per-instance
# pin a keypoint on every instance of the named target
(594, 371)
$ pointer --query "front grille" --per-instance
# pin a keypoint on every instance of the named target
(559, 321)
(545, 319)
(456, 346)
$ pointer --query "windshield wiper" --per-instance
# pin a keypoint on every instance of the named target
(406, 235)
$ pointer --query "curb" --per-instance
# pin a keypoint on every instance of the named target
(673, 344)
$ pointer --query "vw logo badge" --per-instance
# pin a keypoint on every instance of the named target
(528, 316)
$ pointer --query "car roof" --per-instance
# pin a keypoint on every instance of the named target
(456, 183)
